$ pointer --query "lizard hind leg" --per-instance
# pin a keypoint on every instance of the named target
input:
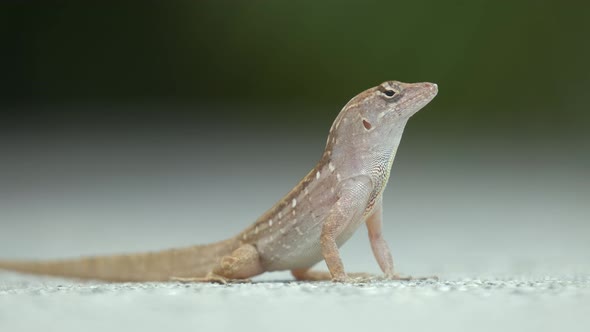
(240, 265)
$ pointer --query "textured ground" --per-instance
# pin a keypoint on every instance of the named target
(546, 304)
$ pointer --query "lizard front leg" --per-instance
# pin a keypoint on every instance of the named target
(352, 200)
(379, 246)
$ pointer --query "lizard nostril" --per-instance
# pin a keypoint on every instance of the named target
(430, 85)
(367, 124)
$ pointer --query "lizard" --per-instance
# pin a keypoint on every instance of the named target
(309, 224)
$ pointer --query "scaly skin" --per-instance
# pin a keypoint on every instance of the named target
(309, 224)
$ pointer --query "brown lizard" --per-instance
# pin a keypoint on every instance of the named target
(307, 225)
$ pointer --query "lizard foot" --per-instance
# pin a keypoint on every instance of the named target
(211, 278)
(355, 278)
(396, 276)
(309, 275)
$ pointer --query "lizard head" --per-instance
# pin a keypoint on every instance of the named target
(388, 103)
(371, 117)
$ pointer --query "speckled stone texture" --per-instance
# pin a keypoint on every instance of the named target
(464, 304)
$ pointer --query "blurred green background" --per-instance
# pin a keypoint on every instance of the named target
(503, 67)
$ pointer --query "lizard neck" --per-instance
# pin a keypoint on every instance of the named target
(378, 160)
(370, 156)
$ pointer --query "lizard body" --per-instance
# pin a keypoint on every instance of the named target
(307, 225)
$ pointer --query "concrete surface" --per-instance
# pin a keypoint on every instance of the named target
(523, 304)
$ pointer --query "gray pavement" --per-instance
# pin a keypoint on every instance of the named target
(466, 304)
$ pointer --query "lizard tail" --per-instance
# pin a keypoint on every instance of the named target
(190, 262)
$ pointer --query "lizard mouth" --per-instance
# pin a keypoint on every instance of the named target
(417, 96)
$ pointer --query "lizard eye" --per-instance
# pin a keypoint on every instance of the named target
(389, 93)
